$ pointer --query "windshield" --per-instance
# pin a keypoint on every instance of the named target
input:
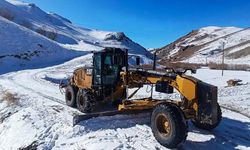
(97, 68)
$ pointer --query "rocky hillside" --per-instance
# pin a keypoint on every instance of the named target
(205, 45)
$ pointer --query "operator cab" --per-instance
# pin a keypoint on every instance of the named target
(106, 71)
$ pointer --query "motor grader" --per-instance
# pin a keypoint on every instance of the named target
(107, 82)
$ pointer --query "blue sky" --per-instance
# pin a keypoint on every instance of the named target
(151, 23)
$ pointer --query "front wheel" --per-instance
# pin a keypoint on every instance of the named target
(169, 125)
(85, 100)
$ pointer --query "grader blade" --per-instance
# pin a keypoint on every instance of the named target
(78, 118)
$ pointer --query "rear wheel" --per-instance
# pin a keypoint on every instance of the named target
(169, 125)
(205, 126)
(70, 95)
(85, 100)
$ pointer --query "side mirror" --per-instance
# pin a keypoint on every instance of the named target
(138, 61)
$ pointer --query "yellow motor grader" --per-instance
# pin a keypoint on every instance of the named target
(92, 89)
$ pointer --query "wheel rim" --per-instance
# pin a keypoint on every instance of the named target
(69, 96)
(163, 125)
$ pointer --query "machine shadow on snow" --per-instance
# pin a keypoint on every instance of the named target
(230, 134)
(115, 122)
(14, 69)
(55, 80)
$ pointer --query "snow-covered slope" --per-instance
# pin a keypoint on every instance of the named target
(20, 48)
(205, 45)
(32, 17)
(29, 35)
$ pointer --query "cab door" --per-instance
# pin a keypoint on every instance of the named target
(106, 73)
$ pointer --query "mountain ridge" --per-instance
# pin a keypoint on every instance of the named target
(205, 44)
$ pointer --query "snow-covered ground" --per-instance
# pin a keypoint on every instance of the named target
(42, 118)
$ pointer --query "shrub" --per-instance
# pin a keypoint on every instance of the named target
(10, 98)
(213, 65)
(41, 31)
(182, 65)
(49, 34)
(52, 35)
(31, 146)
(6, 14)
(26, 24)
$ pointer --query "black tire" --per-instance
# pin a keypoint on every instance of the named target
(85, 100)
(70, 96)
(205, 126)
(176, 132)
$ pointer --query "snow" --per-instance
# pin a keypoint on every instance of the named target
(208, 41)
(41, 117)
(44, 113)
(233, 43)
(214, 33)
(21, 48)
(19, 38)
(67, 33)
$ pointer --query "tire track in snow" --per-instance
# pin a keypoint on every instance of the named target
(11, 78)
(236, 111)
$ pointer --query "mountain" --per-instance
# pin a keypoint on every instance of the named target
(31, 38)
(205, 45)
(33, 111)
(21, 48)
